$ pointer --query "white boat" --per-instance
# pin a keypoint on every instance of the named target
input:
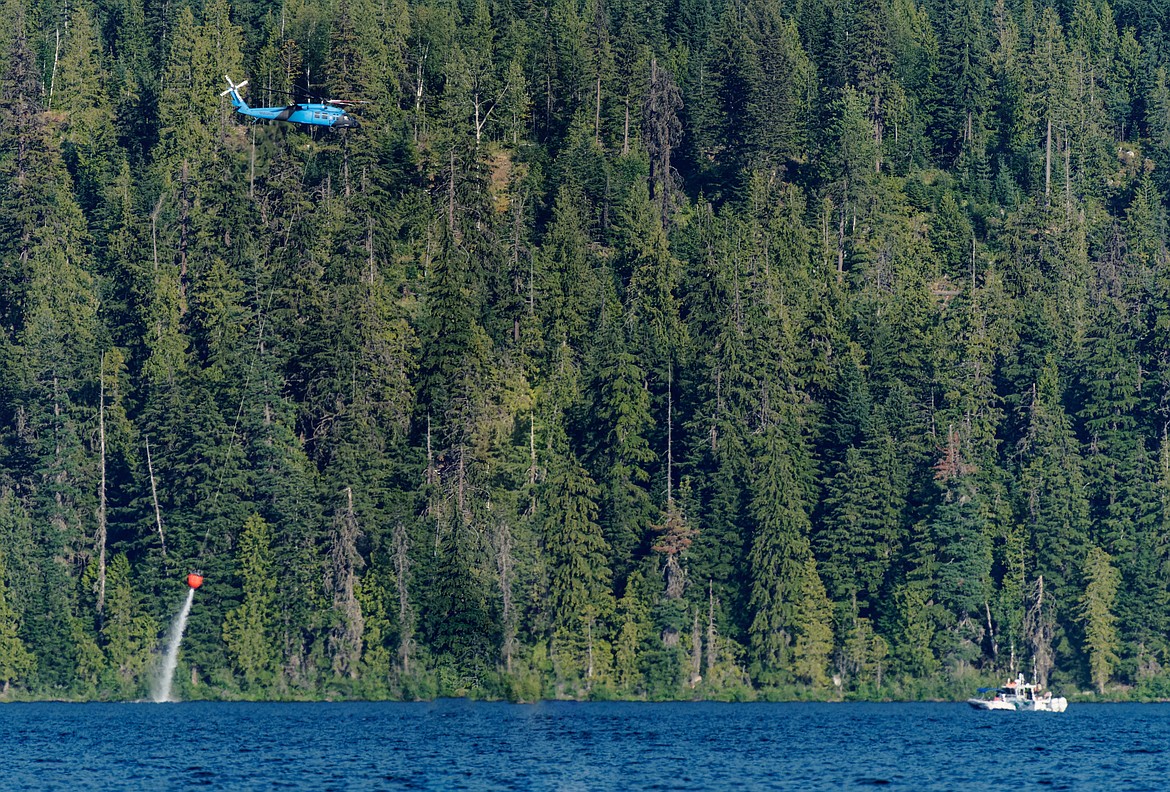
(1021, 696)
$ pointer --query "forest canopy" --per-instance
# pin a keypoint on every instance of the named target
(629, 348)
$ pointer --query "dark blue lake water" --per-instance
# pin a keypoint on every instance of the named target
(566, 746)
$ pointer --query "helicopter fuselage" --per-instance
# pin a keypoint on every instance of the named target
(314, 114)
(326, 114)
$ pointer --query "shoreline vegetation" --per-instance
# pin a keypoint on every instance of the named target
(746, 697)
(648, 349)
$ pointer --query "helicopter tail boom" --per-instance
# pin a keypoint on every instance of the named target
(234, 90)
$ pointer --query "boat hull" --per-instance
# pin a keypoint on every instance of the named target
(1054, 704)
(984, 704)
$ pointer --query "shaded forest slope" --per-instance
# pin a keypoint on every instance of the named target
(645, 348)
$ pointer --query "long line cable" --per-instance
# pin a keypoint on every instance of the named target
(239, 413)
(244, 393)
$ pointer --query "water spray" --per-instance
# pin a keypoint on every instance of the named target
(162, 684)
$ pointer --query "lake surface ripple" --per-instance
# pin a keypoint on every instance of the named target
(449, 745)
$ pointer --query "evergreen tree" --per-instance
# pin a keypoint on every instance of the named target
(16, 662)
(780, 547)
(566, 287)
(580, 589)
(1052, 484)
(963, 551)
(128, 631)
(963, 76)
(90, 138)
(814, 639)
(756, 110)
(621, 418)
(860, 540)
(460, 632)
(247, 630)
(1097, 604)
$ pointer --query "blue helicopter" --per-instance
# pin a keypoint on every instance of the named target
(328, 114)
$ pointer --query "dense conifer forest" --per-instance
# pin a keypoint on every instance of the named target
(629, 348)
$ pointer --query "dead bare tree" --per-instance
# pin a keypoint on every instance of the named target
(696, 651)
(154, 495)
(1039, 628)
(405, 611)
(346, 636)
(502, 542)
(101, 513)
(663, 134)
(711, 633)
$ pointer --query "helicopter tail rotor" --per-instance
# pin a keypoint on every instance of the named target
(234, 90)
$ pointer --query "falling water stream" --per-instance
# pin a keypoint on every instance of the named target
(166, 675)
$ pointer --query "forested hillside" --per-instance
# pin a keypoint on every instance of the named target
(641, 348)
